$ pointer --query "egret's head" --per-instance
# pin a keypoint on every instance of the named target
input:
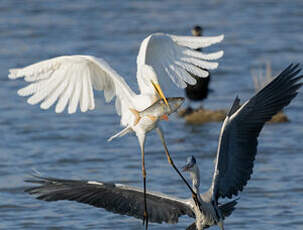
(159, 92)
(149, 77)
(191, 165)
(197, 31)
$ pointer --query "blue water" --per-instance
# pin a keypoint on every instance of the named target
(76, 147)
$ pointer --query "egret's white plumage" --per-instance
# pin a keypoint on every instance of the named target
(71, 80)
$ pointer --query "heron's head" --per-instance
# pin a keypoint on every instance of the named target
(191, 165)
(197, 31)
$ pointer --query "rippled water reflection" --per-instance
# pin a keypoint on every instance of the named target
(76, 147)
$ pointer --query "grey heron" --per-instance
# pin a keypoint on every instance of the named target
(237, 148)
(71, 80)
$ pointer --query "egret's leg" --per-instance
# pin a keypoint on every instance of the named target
(170, 161)
(145, 214)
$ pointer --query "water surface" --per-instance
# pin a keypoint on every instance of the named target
(75, 146)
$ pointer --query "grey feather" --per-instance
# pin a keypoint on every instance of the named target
(235, 106)
(116, 198)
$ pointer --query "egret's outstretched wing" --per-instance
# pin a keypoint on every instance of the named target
(71, 80)
(116, 198)
(237, 146)
(174, 57)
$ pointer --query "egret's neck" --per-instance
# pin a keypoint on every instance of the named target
(195, 176)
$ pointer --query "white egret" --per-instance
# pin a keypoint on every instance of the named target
(70, 81)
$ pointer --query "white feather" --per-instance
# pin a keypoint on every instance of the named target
(201, 55)
(74, 99)
(52, 98)
(200, 63)
(70, 80)
(64, 98)
(163, 52)
(192, 69)
(84, 99)
(195, 42)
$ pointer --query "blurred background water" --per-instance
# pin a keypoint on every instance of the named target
(75, 146)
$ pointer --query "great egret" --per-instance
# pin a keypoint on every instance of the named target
(71, 80)
(237, 149)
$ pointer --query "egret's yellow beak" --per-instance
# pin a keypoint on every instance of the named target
(160, 92)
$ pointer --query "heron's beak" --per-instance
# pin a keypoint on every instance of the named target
(160, 92)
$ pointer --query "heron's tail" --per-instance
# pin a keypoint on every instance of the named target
(120, 134)
(227, 208)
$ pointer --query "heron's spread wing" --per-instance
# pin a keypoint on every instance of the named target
(174, 57)
(238, 139)
(116, 198)
(70, 80)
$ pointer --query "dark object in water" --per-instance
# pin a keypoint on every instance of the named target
(199, 91)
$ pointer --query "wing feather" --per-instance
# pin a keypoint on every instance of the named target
(195, 42)
(50, 100)
(84, 102)
(193, 70)
(197, 62)
(238, 140)
(74, 99)
(201, 55)
(70, 80)
(91, 93)
(63, 100)
(117, 198)
(182, 73)
(164, 51)
(46, 87)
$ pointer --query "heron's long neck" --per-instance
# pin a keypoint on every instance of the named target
(195, 175)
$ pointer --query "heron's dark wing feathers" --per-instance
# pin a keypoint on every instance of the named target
(235, 106)
(237, 146)
(116, 198)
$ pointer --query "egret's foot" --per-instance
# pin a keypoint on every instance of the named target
(145, 219)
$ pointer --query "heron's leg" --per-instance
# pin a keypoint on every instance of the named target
(141, 138)
(170, 161)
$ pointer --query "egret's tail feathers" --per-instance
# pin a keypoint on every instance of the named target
(120, 134)
(136, 114)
